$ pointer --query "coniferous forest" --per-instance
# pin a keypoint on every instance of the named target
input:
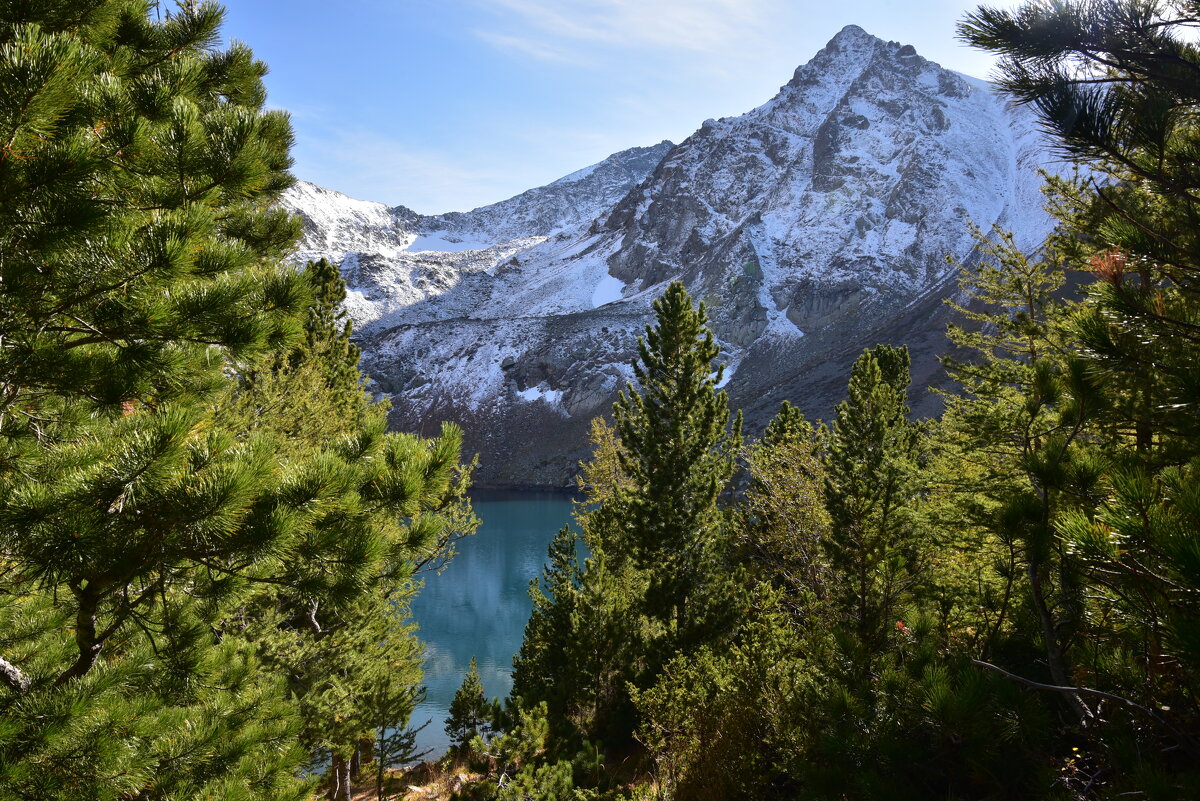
(209, 539)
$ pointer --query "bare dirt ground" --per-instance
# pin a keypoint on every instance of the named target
(428, 781)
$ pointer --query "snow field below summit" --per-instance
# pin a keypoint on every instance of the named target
(607, 291)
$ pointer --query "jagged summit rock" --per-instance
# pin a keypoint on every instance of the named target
(813, 225)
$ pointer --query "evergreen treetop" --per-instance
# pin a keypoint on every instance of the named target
(870, 486)
(471, 714)
(677, 448)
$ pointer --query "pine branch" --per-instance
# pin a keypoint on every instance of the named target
(1077, 691)
(13, 677)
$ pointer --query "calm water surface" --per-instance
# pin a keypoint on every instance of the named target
(478, 606)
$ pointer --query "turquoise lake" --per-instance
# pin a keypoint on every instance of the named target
(479, 604)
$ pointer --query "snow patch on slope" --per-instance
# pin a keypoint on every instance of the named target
(805, 224)
(541, 393)
(607, 291)
(441, 243)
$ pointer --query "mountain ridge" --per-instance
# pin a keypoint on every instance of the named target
(813, 225)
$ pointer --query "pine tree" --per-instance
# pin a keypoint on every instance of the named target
(677, 450)
(471, 714)
(352, 662)
(785, 519)
(312, 392)
(1021, 433)
(1116, 83)
(548, 666)
(870, 487)
(140, 277)
(721, 721)
(657, 579)
(134, 269)
(105, 372)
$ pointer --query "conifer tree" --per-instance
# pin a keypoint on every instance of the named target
(548, 666)
(312, 392)
(471, 714)
(134, 269)
(657, 578)
(1021, 430)
(785, 519)
(585, 638)
(140, 276)
(352, 663)
(870, 485)
(677, 450)
(1116, 83)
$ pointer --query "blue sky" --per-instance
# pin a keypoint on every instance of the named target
(445, 105)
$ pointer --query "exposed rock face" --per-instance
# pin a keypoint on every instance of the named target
(813, 226)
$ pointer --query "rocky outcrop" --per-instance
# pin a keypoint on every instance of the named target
(812, 226)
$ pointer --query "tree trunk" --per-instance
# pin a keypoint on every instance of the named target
(13, 677)
(1054, 654)
(379, 764)
(339, 779)
(85, 636)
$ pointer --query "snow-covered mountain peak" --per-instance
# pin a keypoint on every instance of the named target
(812, 225)
(850, 39)
(854, 56)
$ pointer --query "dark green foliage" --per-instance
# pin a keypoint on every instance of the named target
(393, 743)
(934, 728)
(210, 540)
(1117, 81)
(327, 333)
(870, 488)
(135, 184)
(787, 425)
(657, 578)
(471, 714)
(170, 537)
(1020, 432)
(349, 655)
(836, 682)
(586, 635)
(1005, 609)
(671, 431)
(312, 392)
(137, 158)
(785, 524)
(678, 454)
(719, 720)
(544, 669)
(528, 765)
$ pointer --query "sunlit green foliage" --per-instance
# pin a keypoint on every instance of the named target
(656, 579)
(166, 521)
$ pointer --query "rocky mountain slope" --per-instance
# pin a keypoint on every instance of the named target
(813, 226)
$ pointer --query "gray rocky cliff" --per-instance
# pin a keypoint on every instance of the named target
(812, 226)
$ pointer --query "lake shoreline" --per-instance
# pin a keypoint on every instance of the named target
(479, 605)
(489, 488)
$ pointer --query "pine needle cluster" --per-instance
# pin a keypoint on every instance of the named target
(207, 535)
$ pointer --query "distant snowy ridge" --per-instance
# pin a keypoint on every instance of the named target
(813, 225)
(394, 259)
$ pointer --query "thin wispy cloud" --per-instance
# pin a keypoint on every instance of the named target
(524, 45)
(376, 167)
(542, 26)
(478, 100)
